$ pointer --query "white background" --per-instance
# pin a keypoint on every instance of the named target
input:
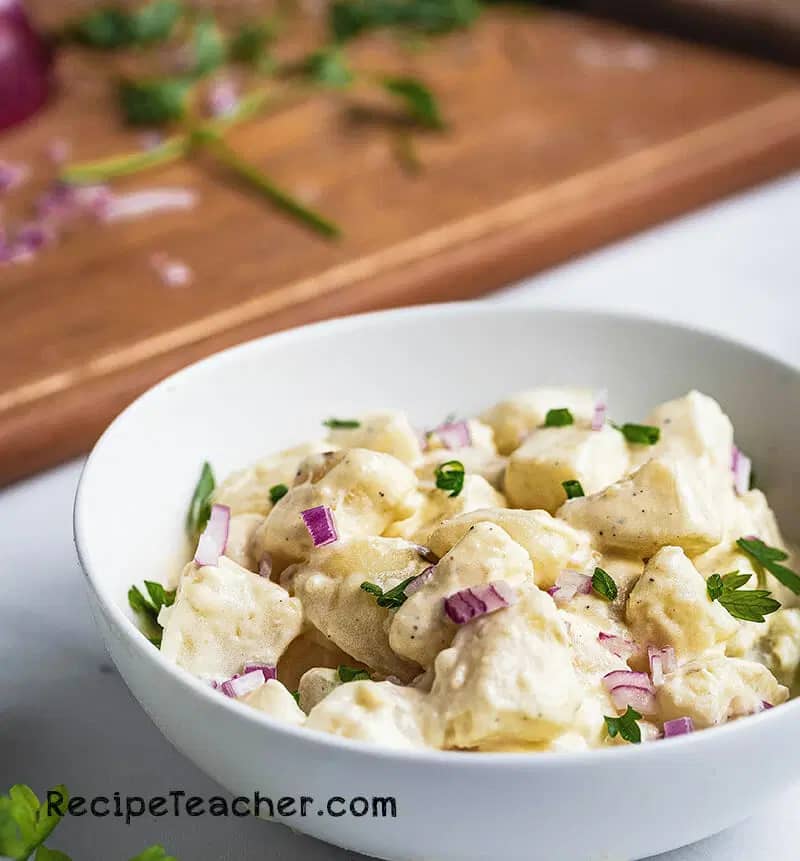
(65, 715)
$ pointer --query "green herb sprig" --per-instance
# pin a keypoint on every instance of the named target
(640, 434)
(277, 492)
(392, 598)
(148, 608)
(200, 505)
(342, 424)
(603, 585)
(351, 674)
(625, 726)
(558, 418)
(573, 488)
(750, 605)
(450, 476)
(770, 558)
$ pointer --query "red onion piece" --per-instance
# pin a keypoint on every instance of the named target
(267, 669)
(147, 202)
(419, 581)
(600, 408)
(222, 98)
(25, 65)
(12, 174)
(662, 661)
(741, 466)
(568, 585)
(215, 536)
(265, 566)
(320, 524)
(454, 434)
(468, 604)
(767, 705)
(619, 646)
(172, 272)
(58, 151)
(627, 679)
(637, 698)
(678, 726)
(239, 685)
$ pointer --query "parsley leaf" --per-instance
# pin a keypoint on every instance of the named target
(393, 598)
(558, 418)
(153, 101)
(154, 853)
(349, 18)
(751, 605)
(329, 68)
(625, 725)
(25, 823)
(351, 674)
(250, 43)
(450, 476)
(603, 583)
(573, 488)
(208, 46)
(296, 695)
(342, 424)
(45, 854)
(148, 610)
(419, 101)
(114, 27)
(200, 506)
(769, 557)
(277, 491)
(641, 434)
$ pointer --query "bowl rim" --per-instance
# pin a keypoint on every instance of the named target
(156, 662)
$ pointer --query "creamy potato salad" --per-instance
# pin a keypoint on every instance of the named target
(536, 578)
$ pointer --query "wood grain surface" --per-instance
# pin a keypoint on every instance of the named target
(564, 133)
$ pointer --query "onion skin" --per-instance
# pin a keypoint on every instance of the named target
(25, 66)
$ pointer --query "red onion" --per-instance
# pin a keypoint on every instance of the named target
(454, 434)
(619, 646)
(25, 65)
(678, 726)
(12, 174)
(265, 566)
(467, 604)
(267, 669)
(239, 685)
(172, 272)
(628, 679)
(662, 661)
(58, 151)
(422, 438)
(215, 536)
(741, 466)
(222, 97)
(600, 407)
(568, 585)
(147, 202)
(766, 705)
(419, 581)
(320, 524)
(637, 698)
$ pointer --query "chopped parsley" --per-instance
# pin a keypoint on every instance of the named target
(296, 695)
(558, 418)
(418, 100)
(625, 726)
(640, 434)
(342, 424)
(573, 488)
(450, 476)
(148, 610)
(113, 27)
(769, 558)
(351, 674)
(750, 605)
(153, 101)
(603, 584)
(200, 506)
(277, 491)
(393, 598)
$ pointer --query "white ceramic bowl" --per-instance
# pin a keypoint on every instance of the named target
(607, 805)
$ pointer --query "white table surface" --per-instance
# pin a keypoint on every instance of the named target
(66, 716)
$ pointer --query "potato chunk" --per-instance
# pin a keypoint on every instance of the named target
(274, 700)
(420, 628)
(550, 456)
(551, 544)
(508, 677)
(329, 587)
(240, 536)
(315, 684)
(714, 690)
(377, 712)
(223, 616)
(389, 432)
(669, 606)
(514, 418)
(366, 491)
(663, 503)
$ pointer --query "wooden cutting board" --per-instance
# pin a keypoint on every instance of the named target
(564, 133)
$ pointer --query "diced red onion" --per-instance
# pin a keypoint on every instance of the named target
(12, 174)
(741, 466)
(766, 705)
(320, 524)
(151, 139)
(568, 585)
(58, 151)
(395, 681)
(422, 438)
(138, 203)
(619, 646)
(662, 661)
(267, 669)
(25, 65)
(172, 272)
(600, 408)
(265, 566)
(215, 536)
(627, 679)
(678, 726)
(637, 698)
(467, 604)
(222, 98)
(454, 435)
(239, 685)
(419, 581)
